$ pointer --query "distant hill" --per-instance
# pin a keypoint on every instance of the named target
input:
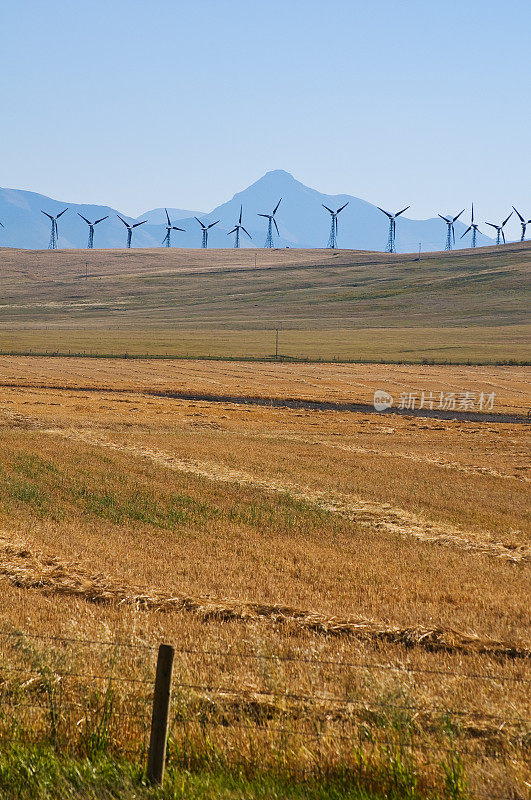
(302, 221)
(157, 216)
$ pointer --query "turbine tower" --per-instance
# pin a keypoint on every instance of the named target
(523, 223)
(391, 239)
(206, 228)
(130, 229)
(450, 233)
(270, 220)
(166, 242)
(472, 227)
(90, 244)
(499, 229)
(237, 229)
(332, 239)
(54, 234)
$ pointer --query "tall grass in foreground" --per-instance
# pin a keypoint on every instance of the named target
(63, 736)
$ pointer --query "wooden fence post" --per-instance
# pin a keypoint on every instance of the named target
(159, 719)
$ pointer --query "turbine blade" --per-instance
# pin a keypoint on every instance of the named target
(456, 218)
(232, 231)
(401, 212)
(178, 229)
(276, 226)
(138, 223)
(203, 226)
(276, 207)
(492, 225)
(167, 216)
(520, 216)
(212, 224)
(123, 220)
(328, 209)
(86, 220)
(387, 212)
(445, 219)
(503, 236)
(465, 233)
(342, 207)
(247, 232)
(505, 221)
(61, 214)
(241, 212)
(2, 225)
(101, 220)
(263, 215)
(472, 213)
(47, 215)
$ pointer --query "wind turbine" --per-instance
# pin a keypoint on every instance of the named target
(271, 219)
(523, 223)
(169, 228)
(332, 239)
(130, 229)
(450, 234)
(54, 235)
(90, 244)
(472, 227)
(499, 228)
(237, 229)
(391, 239)
(206, 228)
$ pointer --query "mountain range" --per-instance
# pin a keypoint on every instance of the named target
(301, 218)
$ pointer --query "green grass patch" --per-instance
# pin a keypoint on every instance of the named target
(27, 773)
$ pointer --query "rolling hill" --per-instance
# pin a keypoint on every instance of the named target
(466, 305)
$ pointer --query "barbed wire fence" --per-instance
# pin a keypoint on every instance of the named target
(260, 724)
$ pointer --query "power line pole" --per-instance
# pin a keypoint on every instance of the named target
(276, 343)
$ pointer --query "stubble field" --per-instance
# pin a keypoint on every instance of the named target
(345, 589)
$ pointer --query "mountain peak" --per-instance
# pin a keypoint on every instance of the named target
(278, 176)
(278, 173)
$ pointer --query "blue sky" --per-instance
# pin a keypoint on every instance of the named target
(145, 104)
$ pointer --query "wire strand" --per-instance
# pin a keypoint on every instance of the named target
(295, 659)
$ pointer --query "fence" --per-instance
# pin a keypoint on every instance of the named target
(295, 705)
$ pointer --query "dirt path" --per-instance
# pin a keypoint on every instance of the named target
(379, 516)
(288, 402)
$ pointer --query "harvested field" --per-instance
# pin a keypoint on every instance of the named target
(338, 573)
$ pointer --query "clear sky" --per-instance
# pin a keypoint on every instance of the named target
(146, 104)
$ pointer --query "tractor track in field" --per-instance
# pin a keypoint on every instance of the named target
(468, 469)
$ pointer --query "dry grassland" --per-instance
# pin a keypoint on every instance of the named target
(354, 577)
(347, 305)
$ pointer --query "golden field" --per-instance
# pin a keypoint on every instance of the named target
(335, 575)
